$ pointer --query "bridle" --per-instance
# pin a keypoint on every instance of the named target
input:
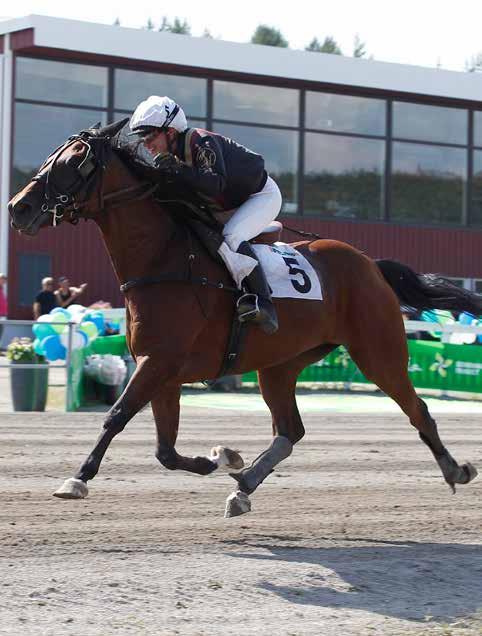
(67, 201)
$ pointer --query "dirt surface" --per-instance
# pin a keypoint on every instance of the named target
(356, 533)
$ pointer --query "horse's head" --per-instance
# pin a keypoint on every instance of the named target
(68, 182)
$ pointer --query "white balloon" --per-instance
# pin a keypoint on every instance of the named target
(78, 340)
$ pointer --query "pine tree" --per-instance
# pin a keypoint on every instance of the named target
(268, 36)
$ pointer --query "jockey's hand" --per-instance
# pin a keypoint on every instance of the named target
(169, 163)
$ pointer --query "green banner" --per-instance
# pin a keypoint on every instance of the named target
(432, 365)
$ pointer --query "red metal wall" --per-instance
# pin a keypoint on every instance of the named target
(78, 252)
(454, 252)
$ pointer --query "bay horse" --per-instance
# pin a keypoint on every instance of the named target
(177, 330)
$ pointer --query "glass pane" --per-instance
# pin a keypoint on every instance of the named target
(280, 151)
(343, 176)
(345, 113)
(430, 123)
(39, 130)
(254, 103)
(61, 82)
(428, 183)
(476, 207)
(477, 128)
(478, 286)
(132, 87)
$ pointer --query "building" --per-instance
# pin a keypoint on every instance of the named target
(385, 156)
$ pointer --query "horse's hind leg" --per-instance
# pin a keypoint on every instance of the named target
(278, 386)
(383, 358)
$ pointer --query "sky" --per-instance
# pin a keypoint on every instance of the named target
(420, 32)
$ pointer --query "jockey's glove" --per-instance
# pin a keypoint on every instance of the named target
(169, 163)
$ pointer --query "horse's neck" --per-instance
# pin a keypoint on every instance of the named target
(137, 234)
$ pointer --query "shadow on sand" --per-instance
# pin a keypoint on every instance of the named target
(405, 580)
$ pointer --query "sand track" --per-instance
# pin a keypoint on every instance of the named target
(355, 534)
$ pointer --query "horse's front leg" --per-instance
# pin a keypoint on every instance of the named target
(142, 386)
(165, 406)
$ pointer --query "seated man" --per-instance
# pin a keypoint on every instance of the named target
(226, 177)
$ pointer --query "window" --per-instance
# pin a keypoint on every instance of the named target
(476, 207)
(477, 128)
(343, 176)
(132, 87)
(39, 130)
(32, 268)
(256, 104)
(280, 151)
(345, 113)
(428, 183)
(44, 80)
(478, 286)
(430, 123)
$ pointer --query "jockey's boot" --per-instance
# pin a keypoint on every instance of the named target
(256, 305)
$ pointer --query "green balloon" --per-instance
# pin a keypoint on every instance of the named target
(89, 329)
(59, 317)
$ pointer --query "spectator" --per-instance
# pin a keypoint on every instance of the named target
(3, 302)
(66, 295)
(45, 300)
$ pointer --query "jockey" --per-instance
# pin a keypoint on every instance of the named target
(226, 177)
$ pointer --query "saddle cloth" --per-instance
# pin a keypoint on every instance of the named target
(289, 273)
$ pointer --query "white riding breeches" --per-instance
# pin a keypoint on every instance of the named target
(249, 220)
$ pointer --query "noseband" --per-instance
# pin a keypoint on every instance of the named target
(69, 199)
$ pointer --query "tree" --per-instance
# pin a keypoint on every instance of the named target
(474, 65)
(329, 46)
(117, 22)
(177, 26)
(149, 25)
(268, 36)
(358, 47)
(207, 34)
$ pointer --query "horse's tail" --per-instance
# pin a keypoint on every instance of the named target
(428, 291)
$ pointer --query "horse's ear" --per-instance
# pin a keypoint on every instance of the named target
(112, 129)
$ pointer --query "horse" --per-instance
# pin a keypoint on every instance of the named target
(179, 324)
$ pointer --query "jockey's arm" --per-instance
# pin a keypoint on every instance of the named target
(208, 171)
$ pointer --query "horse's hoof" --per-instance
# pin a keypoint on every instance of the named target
(72, 489)
(237, 503)
(223, 456)
(470, 471)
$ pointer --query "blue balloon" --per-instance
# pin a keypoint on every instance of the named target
(465, 318)
(42, 330)
(37, 347)
(54, 349)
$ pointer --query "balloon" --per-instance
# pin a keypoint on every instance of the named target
(76, 309)
(60, 310)
(37, 347)
(59, 317)
(79, 339)
(97, 318)
(54, 349)
(467, 319)
(90, 329)
(41, 329)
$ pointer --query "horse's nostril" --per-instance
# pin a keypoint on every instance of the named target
(20, 208)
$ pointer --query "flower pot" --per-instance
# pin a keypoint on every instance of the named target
(29, 388)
